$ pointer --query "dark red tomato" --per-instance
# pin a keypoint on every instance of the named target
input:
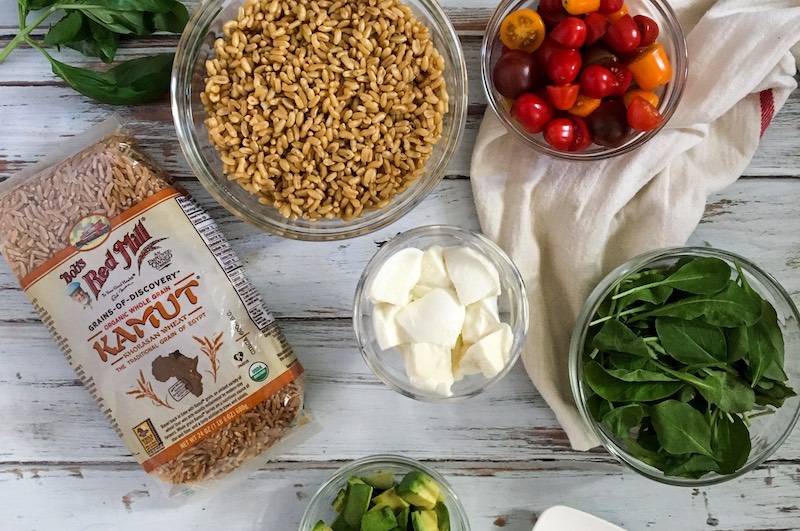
(567, 134)
(552, 12)
(642, 116)
(596, 27)
(562, 97)
(608, 124)
(571, 32)
(597, 81)
(622, 78)
(648, 29)
(610, 6)
(515, 73)
(505, 50)
(598, 55)
(563, 65)
(545, 50)
(532, 112)
(623, 35)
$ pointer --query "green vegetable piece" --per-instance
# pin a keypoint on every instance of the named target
(598, 407)
(340, 524)
(338, 501)
(691, 342)
(731, 444)
(681, 429)
(321, 526)
(379, 519)
(777, 393)
(700, 276)
(641, 375)
(356, 501)
(419, 489)
(655, 294)
(616, 390)
(616, 337)
(424, 521)
(622, 419)
(765, 340)
(389, 498)
(174, 20)
(134, 81)
(402, 518)
(69, 29)
(731, 307)
(627, 362)
(381, 479)
(442, 516)
(694, 467)
(737, 343)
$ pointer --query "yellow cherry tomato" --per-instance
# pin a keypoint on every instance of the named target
(584, 106)
(651, 68)
(650, 97)
(580, 7)
(522, 30)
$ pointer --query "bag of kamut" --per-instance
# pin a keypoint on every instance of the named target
(150, 306)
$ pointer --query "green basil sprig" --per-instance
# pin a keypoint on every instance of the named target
(679, 360)
(95, 28)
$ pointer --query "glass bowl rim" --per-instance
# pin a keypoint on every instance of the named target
(521, 308)
(181, 109)
(389, 459)
(576, 367)
(680, 67)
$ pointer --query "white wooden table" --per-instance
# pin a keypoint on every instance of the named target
(62, 467)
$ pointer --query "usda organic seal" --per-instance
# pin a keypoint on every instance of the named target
(259, 371)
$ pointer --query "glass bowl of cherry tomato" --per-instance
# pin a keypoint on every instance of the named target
(584, 79)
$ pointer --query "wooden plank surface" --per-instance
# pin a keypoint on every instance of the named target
(62, 467)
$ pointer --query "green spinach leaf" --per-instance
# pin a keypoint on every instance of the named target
(681, 429)
(623, 419)
(731, 444)
(731, 307)
(691, 342)
(617, 390)
(616, 337)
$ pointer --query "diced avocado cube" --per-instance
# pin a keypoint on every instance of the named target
(356, 501)
(321, 526)
(442, 516)
(389, 498)
(419, 489)
(402, 518)
(339, 524)
(424, 521)
(379, 519)
(381, 480)
(338, 502)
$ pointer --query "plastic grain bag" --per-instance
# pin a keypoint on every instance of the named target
(150, 306)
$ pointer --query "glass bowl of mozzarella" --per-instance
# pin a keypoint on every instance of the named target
(440, 313)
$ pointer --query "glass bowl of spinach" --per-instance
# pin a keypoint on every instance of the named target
(685, 362)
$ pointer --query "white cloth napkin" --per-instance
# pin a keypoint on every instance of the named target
(566, 224)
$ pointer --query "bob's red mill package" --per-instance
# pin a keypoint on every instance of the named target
(150, 306)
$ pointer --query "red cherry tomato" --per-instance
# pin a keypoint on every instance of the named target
(571, 32)
(610, 6)
(596, 27)
(648, 29)
(514, 73)
(563, 65)
(552, 12)
(623, 35)
(532, 112)
(642, 116)
(597, 81)
(562, 97)
(567, 134)
(622, 78)
(543, 52)
(608, 124)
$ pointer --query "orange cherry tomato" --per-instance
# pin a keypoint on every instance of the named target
(580, 7)
(522, 30)
(584, 106)
(616, 15)
(651, 68)
(650, 97)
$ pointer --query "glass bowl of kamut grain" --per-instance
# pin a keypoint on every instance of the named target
(319, 120)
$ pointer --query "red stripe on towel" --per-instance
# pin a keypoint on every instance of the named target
(767, 108)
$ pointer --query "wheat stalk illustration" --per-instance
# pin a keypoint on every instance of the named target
(145, 390)
(210, 349)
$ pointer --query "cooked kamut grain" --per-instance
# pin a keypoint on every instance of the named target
(108, 178)
(325, 109)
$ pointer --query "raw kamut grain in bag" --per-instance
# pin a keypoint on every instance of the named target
(150, 306)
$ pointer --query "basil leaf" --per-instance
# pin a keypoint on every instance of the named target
(69, 28)
(623, 419)
(731, 444)
(133, 81)
(122, 22)
(731, 307)
(33, 5)
(173, 20)
(691, 342)
(102, 43)
(616, 390)
(681, 429)
(616, 337)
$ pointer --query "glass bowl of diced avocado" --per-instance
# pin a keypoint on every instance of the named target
(385, 493)
(686, 364)
(440, 313)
